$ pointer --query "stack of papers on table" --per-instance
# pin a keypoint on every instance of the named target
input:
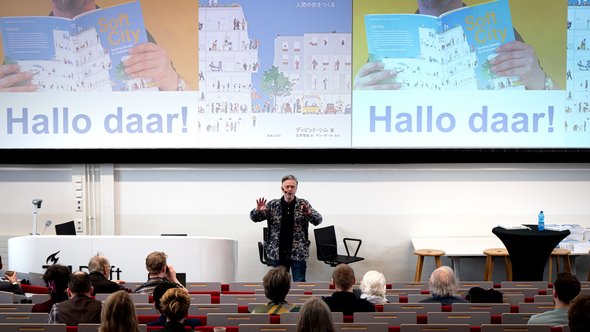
(513, 226)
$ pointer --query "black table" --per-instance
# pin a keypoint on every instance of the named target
(529, 250)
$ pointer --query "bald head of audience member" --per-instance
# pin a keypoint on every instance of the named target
(79, 284)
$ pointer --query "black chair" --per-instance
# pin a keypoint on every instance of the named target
(261, 252)
(327, 248)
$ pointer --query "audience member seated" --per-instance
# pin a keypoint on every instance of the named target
(373, 287)
(80, 308)
(344, 300)
(443, 286)
(100, 270)
(315, 316)
(579, 314)
(118, 314)
(565, 288)
(11, 284)
(56, 278)
(158, 271)
(157, 295)
(175, 303)
(277, 283)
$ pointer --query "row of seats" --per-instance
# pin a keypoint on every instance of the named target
(341, 327)
(395, 311)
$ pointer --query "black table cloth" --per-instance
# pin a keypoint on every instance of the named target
(529, 250)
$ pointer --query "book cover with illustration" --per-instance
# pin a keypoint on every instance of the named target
(447, 52)
(85, 53)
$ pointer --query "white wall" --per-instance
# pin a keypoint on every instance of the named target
(384, 205)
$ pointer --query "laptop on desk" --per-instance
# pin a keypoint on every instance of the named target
(67, 228)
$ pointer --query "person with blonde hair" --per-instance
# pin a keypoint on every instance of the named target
(158, 271)
(315, 316)
(373, 287)
(118, 314)
(174, 304)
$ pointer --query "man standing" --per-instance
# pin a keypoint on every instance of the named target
(565, 288)
(288, 221)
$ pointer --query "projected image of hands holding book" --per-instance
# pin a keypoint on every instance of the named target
(80, 47)
(449, 45)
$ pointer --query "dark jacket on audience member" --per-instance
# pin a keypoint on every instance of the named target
(78, 309)
(348, 303)
(173, 327)
(444, 300)
(101, 284)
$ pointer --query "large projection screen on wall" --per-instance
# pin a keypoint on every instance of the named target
(305, 77)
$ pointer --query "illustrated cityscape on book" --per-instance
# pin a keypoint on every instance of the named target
(447, 52)
(85, 53)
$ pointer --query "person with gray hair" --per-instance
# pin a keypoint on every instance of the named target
(100, 270)
(373, 287)
(443, 286)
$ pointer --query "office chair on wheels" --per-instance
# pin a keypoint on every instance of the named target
(327, 248)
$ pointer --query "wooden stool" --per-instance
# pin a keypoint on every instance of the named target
(489, 269)
(421, 253)
(555, 254)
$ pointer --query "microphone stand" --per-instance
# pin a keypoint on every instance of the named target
(34, 229)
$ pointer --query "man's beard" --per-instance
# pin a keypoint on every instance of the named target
(74, 7)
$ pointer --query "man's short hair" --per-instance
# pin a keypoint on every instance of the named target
(443, 282)
(343, 276)
(277, 283)
(290, 177)
(567, 286)
(80, 283)
(155, 262)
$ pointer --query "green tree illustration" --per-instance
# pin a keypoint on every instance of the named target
(275, 83)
